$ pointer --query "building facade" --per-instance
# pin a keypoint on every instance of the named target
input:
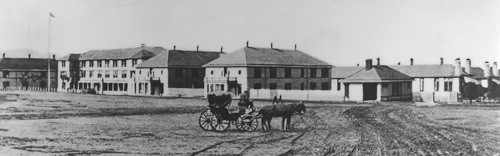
(27, 73)
(109, 71)
(269, 72)
(174, 73)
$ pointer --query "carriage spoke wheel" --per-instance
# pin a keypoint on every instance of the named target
(246, 124)
(218, 124)
(205, 120)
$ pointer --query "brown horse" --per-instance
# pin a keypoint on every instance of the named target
(283, 111)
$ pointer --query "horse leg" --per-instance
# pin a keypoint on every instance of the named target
(283, 123)
(263, 123)
(288, 121)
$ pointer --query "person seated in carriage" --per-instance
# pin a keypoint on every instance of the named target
(245, 104)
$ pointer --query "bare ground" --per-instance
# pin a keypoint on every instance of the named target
(68, 124)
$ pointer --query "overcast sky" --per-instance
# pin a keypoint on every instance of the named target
(340, 32)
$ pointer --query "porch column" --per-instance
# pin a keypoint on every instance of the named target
(379, 91)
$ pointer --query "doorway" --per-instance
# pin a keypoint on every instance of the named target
(370, 91)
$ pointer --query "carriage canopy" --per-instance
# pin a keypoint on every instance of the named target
(219, 99)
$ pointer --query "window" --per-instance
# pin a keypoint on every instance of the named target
(134, 62)
(99, 63)
(106, 63)
(313, 73)
(99, 74)
(396, 89)
(179, 72)
(132, 73)
(82, 74)
(115, 86)
(288, 86)
(421, 84)
(115, 74)
(194, 73)
(273, 86)
(257, 72)
(6, 74)
(106, 74)
(302, 72)
(120, 86)
(82, 63)
(212, 72)
(346, 90)
(338, 85)
(302, 86)
(124, 63)
(63, 64)
(115, 63)
(448, 85)
(239, 72)
(105, 87)
(125, 86)
(272, 72)
(90, 74)
(312, 86)
(91, 64)
(124, 74)
(325, 86)
(324, 72)
(436, 84)
(288, 72)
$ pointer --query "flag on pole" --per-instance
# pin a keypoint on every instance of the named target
(51, 15)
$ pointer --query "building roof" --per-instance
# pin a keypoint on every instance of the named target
(343, 72)
(445, 70)
(252, 56)
(125, 53)
(477, 73)
(70, 57)
(26, 64)
(180, 58)
(378, 73)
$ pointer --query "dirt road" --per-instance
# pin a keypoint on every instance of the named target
(31, 123)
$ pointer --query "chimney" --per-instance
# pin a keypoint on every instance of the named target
(29, 56)
(495, 69)
(174, 47)
(368, 64)
(247, 43)
(467, 66)
(54, 57)
(399, 63)
(295, 46)
(411, 61)
(221, 48)
(271, 45)
(458, 68)
(378, 61)
(442, 62)
(197, 47)
(487, 70)
(143, 45)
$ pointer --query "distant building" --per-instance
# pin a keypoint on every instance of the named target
(269, 72)
(377, 83)
(109, 71)
(69, 72)
(174, 73)
(27, 73)
(486, 74)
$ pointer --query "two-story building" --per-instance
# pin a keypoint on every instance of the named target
(111, 71)
(174, 73)
(69, 73)
(269, 72)
(27, 73)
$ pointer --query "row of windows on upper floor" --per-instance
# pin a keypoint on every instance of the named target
(178, 72)
(287, 72)
(106, 63)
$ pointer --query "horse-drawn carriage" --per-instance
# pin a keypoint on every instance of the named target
(219, 118)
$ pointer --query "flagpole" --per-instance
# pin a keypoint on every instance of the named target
(48, 73)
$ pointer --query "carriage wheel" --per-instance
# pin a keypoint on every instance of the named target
(218, 124)
(205, 120)
(246, 124)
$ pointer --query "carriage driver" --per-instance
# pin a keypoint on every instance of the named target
(246, 106)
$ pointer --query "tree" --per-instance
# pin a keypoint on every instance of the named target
(492, 87)
(472, 91)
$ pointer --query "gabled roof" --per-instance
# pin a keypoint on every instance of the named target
(251, 56)
(70, 57)
(180, 58)
(378, 73)
(26, 64)
(445, 70)
(477, 73)
(343, 72)
(125, 53)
